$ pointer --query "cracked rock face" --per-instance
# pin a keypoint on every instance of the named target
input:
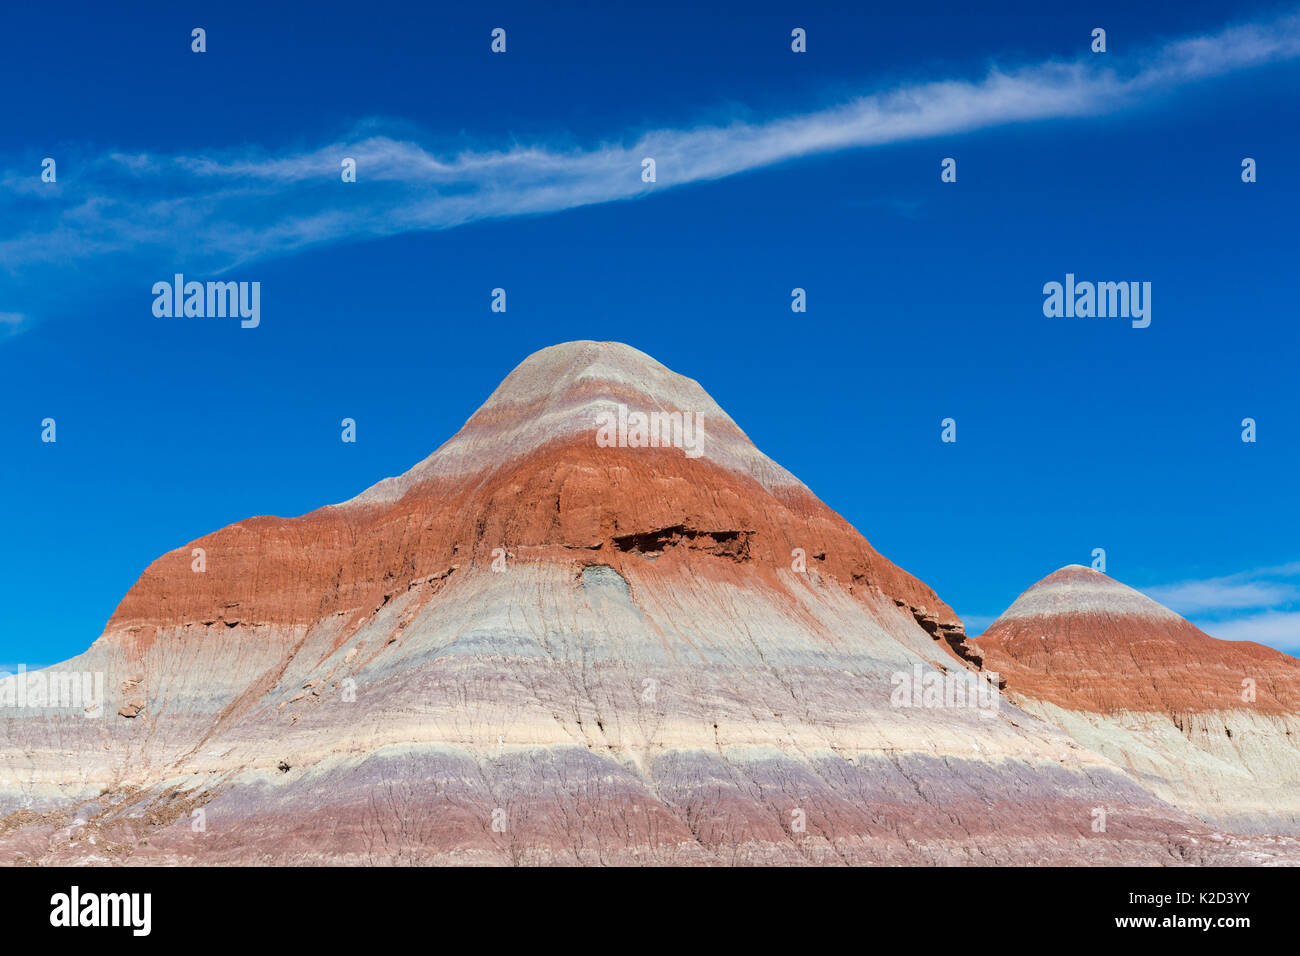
(534, 648)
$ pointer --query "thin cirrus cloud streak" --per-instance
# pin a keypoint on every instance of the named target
(1260, 587)
(232, 207)
(1280, 629)
(1256, 605)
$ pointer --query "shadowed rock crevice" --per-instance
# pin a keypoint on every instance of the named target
(651, 544)
(953, 632)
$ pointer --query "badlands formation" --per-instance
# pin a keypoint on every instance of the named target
(534, 648)
(1211, 726)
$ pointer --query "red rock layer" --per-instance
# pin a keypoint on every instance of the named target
(1117, 650)
(570, 498)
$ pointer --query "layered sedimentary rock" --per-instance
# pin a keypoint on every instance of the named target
(539, 646)
(1212, 726)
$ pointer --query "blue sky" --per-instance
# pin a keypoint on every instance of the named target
(775, 170)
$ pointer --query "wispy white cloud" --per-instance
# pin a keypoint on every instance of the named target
(1255, 605)
(1280, 629)
(977, 624)
(1223, 594)
(232, 206)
